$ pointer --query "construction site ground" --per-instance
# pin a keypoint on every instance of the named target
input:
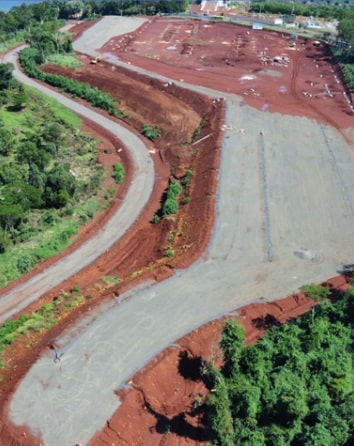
(271, 74)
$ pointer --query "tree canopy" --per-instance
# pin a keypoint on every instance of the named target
(294, 387)
(346, 28)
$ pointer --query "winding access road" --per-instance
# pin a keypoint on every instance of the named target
(137, 197)
(284, 218)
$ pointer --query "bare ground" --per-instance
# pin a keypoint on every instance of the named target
(163, 398)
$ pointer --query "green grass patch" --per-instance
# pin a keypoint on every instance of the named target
(43, 319)
(41, 246)
(8, 42)
(91, 207)
(111, 280)
(64, 60)
(62, 113)
(38, 105)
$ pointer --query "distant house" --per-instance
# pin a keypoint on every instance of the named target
(211, 6)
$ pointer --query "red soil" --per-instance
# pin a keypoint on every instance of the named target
(228, 58)
(271, 71)
(165, 403)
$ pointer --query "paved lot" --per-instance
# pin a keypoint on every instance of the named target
(284, 218)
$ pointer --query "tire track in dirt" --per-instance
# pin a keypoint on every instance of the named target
(323, 116)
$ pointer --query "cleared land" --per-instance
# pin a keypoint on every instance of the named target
(285, 204)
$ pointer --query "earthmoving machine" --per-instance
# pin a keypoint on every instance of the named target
(96, 59)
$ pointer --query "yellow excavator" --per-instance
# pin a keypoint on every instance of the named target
(96, 59)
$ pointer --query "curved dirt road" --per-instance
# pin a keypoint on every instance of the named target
(137, 197)
(284, 218)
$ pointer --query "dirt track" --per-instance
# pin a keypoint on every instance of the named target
(268, 227)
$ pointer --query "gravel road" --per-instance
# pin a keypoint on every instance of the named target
(284, 218)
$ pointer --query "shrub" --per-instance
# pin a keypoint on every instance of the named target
(118, 172)
(170, 207)
(25, 263)
(316, 292)
(151, 132)
(197, 131)
(186, 180)
(30, 57)
(155, 219)
(170, 252)
(174, 189)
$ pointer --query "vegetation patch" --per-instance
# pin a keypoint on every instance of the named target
(48, 172)
(293, 387)
(170, 205)
(45, 46)
(151, 132)
(69, 60)
(118, 173)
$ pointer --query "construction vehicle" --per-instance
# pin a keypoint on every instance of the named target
(96, 59)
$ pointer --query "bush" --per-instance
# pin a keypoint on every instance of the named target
(151, 132)
(316, 292)
(25, 264)
(174, 189)
(30, 58)
(49, 218)
(155, 219)
(118, 172)
(186, 180)
(170, 252)
(170, 207)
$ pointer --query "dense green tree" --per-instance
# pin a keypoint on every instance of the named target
(346, 53)
(53, 132)
(233, 337)
(29, 153)
(71, 8)
(19, 99)
(23, 15)
(10, 215)
(6, 70)
(294, 387)
(36, 177)
(60, 186)
(6, 141)
(41, 40)
(13, 173)
(45, 11)
(5, 240)
(220, 414)
(346, 28)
